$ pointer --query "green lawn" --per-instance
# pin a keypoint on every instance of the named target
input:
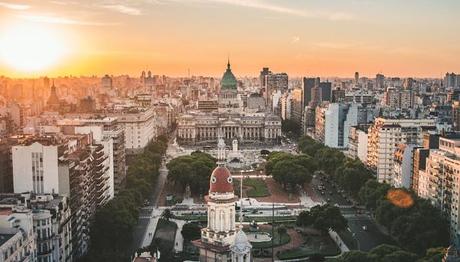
(278, 240)
(165, 234)
(258, 188)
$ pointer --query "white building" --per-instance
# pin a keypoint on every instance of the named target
(357, 143)
(440, 182)
(139, 127)
(17, 234)
(383, 137)
(403, 166)
(35, 168)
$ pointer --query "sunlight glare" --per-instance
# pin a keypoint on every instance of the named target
(28, 47)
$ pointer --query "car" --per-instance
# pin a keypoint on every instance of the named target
(365, 228)
(328, 200)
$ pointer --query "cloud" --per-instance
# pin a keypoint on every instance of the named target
(14, 6)
(61, 20)
(123, 9)
(295, 39)
(264, 5)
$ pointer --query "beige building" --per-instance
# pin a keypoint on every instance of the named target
(230, 121)
(384, 136)
(440, 182)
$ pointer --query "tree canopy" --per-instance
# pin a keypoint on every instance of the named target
(322, 218)
(114, 223)
(193, 170)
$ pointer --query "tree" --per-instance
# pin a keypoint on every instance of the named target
(323, 218)
(281, 231)
(114, 223)
(193, 170)
(167, 214)
(316, 258)
(191, 231)
(290, 174)
(309, 146)
(291, 128)
(355, 256)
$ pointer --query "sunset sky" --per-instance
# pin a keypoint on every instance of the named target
(300, 37)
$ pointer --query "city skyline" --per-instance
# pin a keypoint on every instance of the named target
(171, 37)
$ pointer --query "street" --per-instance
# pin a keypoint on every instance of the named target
(148, 215)
(360, 223)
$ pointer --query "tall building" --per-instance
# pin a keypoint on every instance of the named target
(296, 105)
(108, 132)
(72, 166)
(326, 91)
(222, 239)
(440, 184)
(456, 115)
(356, 78)
(334, 121)
(106, 82)
(17, 235)
(273, 83)
(357, 142)
(139, 127)
(380, 81)
(6, 170)
(430, 141)
(403, 165)
(383, 137)
(265, 71)
(307, 85)
(451, 80)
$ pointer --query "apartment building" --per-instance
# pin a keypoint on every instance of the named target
(440, 182)
(385, 134)
(139, 127)
(70, 165)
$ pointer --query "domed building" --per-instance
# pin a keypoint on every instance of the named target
(232, 119)
(221, 240)
(228, 95)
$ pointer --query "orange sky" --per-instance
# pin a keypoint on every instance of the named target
(302, 38)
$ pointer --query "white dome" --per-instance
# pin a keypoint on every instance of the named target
(241, 243)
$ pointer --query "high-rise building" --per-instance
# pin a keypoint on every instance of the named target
(383, 137)
(106, 82)
(439, 183)
(273, 83)
(296, 105)
(380, 81)
(70, 165)
(456, 115)
(451, 80)
(17, 235)
(326, 91)
(307, 85)
(403, 165)
(356, 78)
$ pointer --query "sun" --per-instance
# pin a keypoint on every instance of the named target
(30, 47)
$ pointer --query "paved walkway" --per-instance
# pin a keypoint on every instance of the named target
(179, 245)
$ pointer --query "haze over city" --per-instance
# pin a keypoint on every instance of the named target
(229, 130)
(170, 37)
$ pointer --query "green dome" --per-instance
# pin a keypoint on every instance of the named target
(228, 80)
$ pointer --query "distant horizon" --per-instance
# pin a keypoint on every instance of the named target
(336, 38)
